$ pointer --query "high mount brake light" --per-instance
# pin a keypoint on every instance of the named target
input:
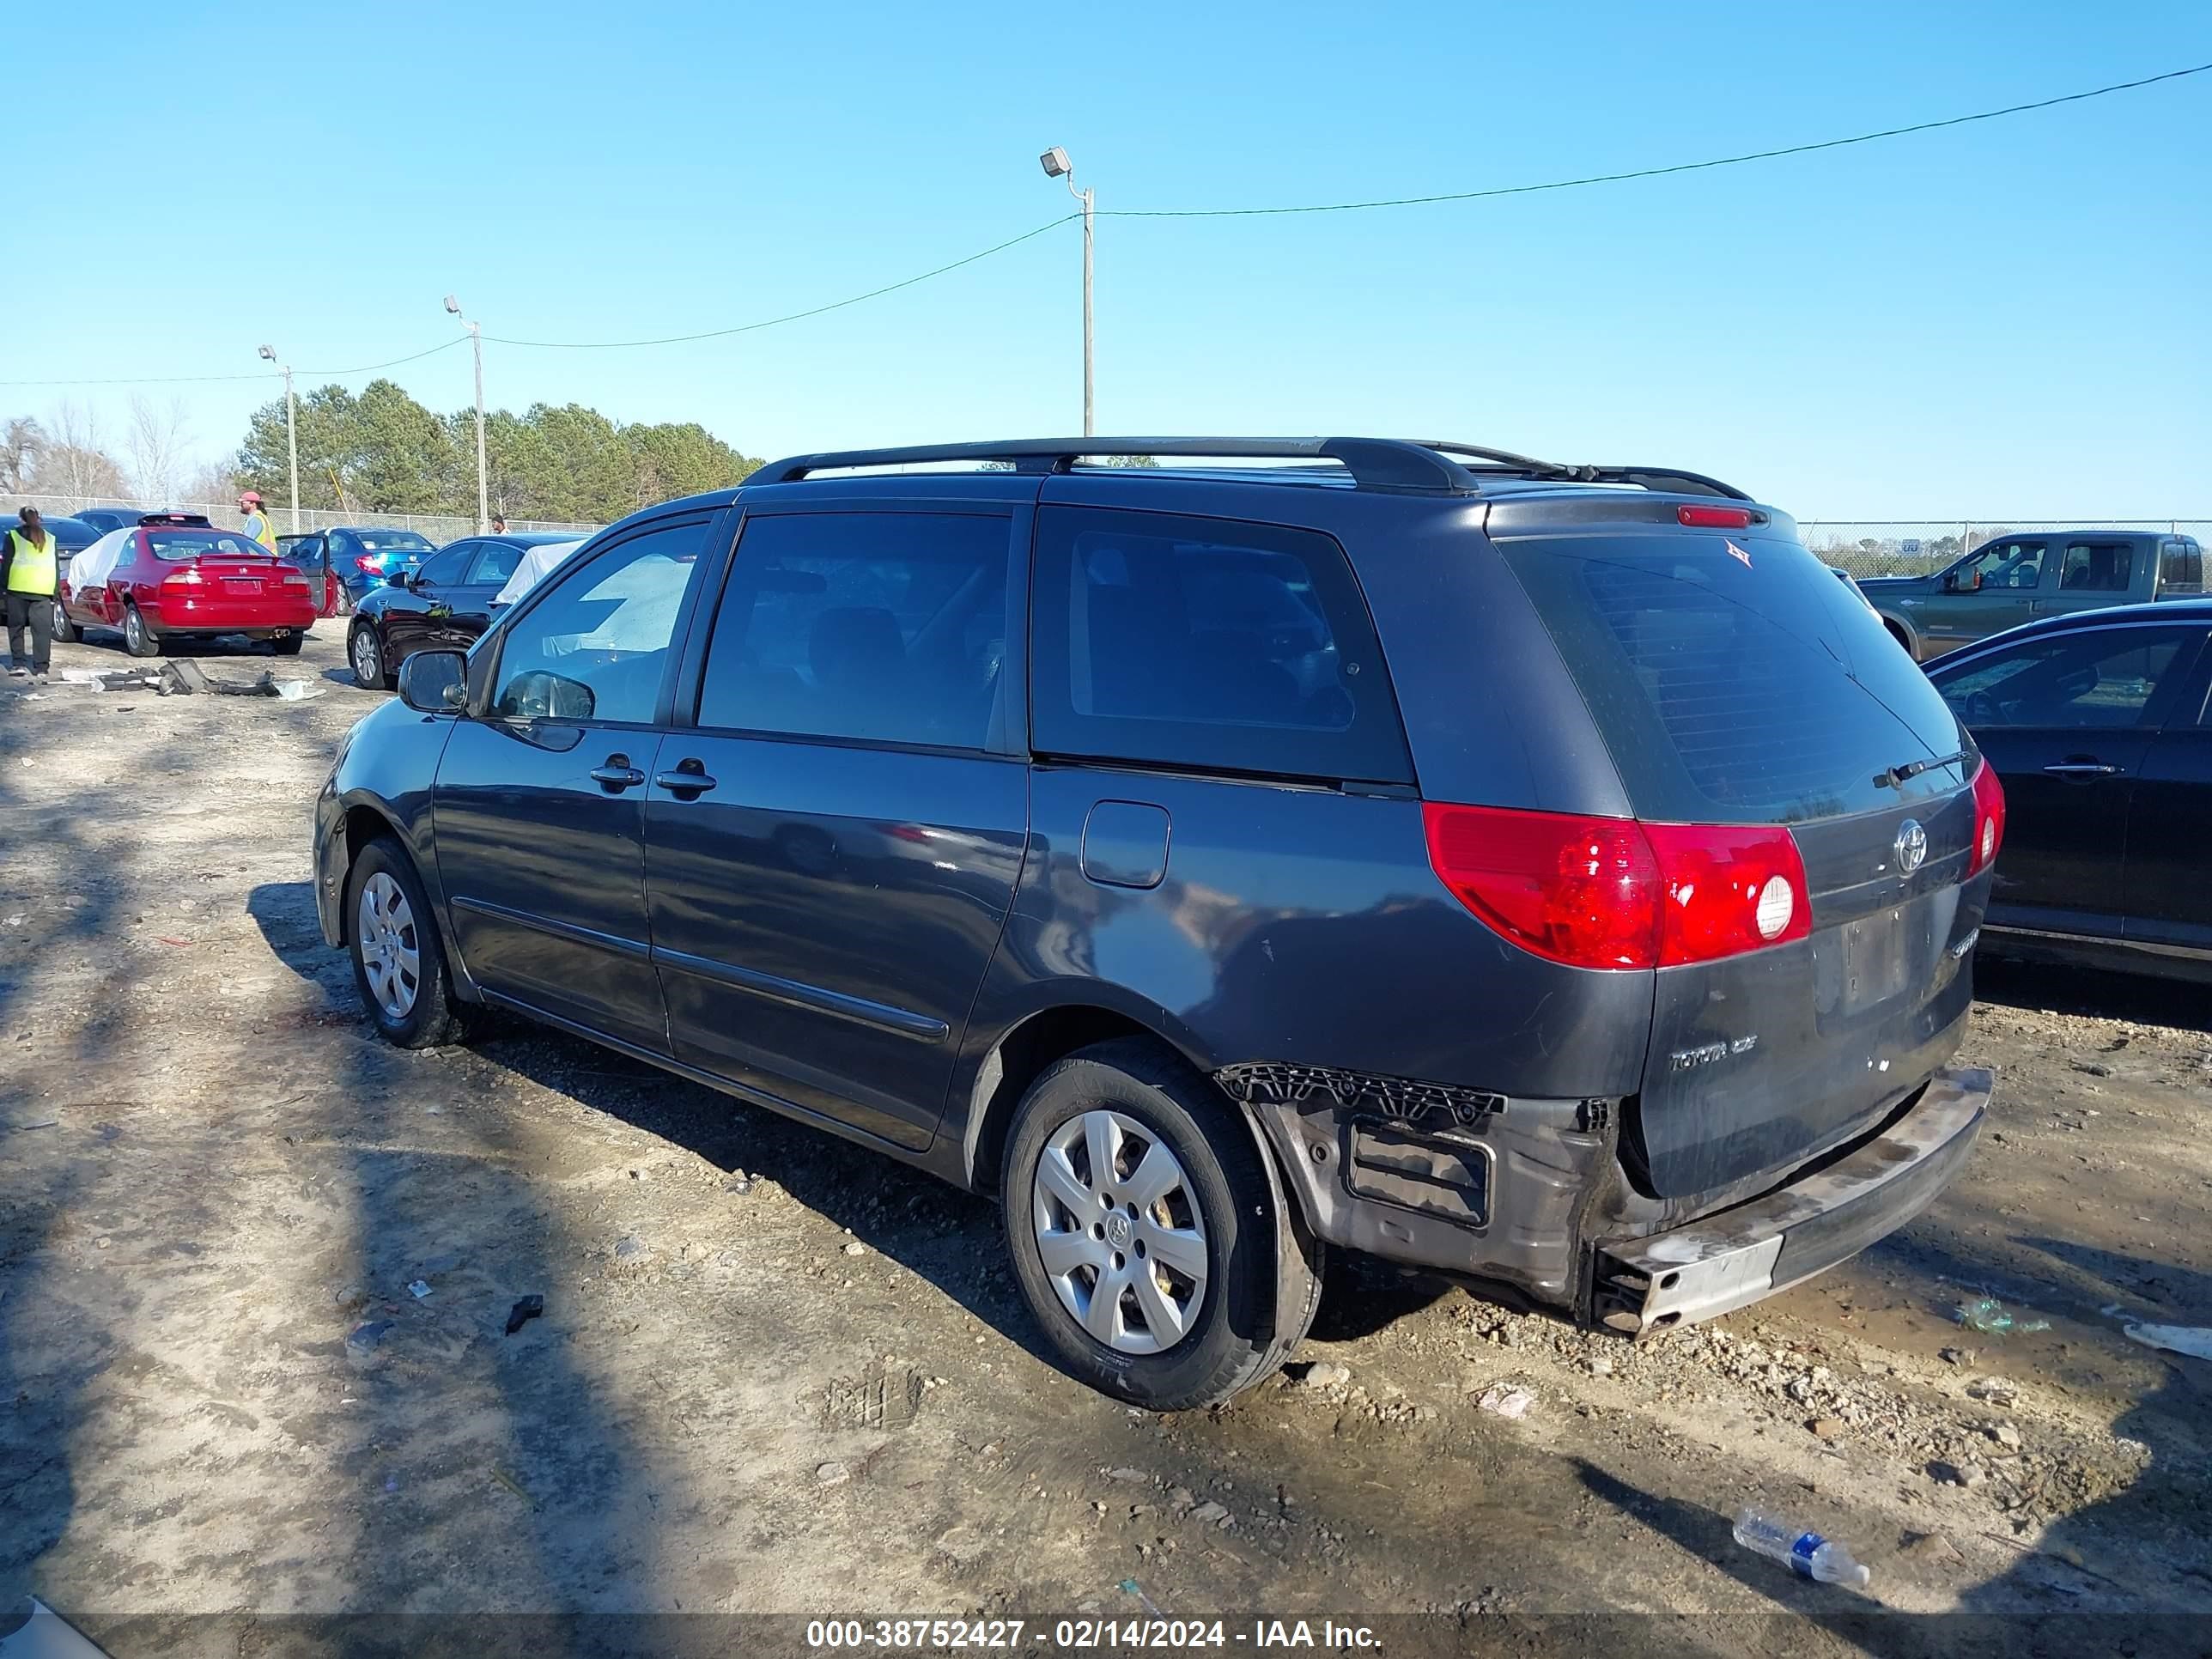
(1595, 892)
(1714, 518)
(1989, 818)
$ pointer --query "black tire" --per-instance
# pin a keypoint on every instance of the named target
(432, 1017)
(365, 653)
(1263, 1279)
(288, 646)
(138, 640)
(64, 629)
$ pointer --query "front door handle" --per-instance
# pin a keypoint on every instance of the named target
(617, 775)
(2081, 769)
(688, 782)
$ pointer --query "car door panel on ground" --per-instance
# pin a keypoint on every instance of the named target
(2168, 897)
(540, 803)
(833, 849)
(2068, 720)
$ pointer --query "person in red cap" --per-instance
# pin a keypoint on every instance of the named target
(257, 523)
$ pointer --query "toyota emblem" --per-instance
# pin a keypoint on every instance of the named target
(1911, 845)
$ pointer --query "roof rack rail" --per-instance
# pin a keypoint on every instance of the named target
(1373, 463)
(1644, 478)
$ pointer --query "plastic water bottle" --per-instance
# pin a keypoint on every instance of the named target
(1805, 1552)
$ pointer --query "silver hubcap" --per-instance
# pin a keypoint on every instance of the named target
(364, 656)
(1120, 1233)
(133, 629)
(391, 950)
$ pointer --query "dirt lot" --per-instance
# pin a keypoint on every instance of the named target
(776, 1373)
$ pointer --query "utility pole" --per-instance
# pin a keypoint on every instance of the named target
(1057, 165)
(484, 484)
(291, 430)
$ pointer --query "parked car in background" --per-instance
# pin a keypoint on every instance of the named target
(2098, 725)
(2021, 576)
(364, 555)
(1545, 875)
(447, 601)
(173, 576)
(1852, 582)
(105, 519)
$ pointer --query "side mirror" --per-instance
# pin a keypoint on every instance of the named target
(435, 682)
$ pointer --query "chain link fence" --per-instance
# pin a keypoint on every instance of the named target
(1873, 547)
(437, 527)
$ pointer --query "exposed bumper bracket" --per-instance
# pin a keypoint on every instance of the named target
(1729, 1259)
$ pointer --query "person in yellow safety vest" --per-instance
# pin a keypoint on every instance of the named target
(33, 575)
(257, 523)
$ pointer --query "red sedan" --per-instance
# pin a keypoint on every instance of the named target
(175, 576)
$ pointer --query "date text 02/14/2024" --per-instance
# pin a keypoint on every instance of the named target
(940, 1635)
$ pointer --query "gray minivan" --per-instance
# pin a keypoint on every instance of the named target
(1547, 876)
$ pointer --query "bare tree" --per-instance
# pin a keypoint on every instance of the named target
(157, 440)
(76, 461)
(215, 482)
(20, 440)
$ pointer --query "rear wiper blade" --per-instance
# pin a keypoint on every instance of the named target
(1896, 776)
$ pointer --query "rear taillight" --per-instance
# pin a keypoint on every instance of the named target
(189, 576)
(1596, 892)
(1714, 518)
(1989, 819)
(367, 561)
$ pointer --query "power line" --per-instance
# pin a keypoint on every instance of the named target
(790, 316)
(1653, 173)
(205, 380)
(1184, 213)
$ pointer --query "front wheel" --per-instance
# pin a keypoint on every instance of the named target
(366, 653)
(398, 961)
(1146, 1237)
(63, 628)
(139, 640)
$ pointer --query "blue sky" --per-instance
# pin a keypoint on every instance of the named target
(2006, 320)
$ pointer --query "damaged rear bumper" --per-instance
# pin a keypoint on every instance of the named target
(1725, 1261)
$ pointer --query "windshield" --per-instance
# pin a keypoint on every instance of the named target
(191, 544)
(1735, 680)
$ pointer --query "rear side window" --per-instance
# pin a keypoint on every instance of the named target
(2097, 567)
(1208, 643)
(2181, 568)
(1734, 679)
(864, 627)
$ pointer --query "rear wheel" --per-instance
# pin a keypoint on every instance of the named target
(1146, 1234)
(364, 651)
(398, 960)
(288, 646)
(137, 639)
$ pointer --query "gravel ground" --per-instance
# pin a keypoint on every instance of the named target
(775, 1374)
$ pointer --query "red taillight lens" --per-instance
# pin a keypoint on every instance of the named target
(1989, 819)
(1715, 518)
(1614, 893)
(1728, 889)
(1583, 891)
(367, 561)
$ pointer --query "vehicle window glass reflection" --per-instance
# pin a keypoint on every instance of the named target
(2103, 678)
(596, 648)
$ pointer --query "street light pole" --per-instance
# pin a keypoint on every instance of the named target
(1057, 165)
(484, 485)
(291, 430)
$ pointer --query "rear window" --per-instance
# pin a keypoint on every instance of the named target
(392, 541)
(192, 543)
(1735, 680)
